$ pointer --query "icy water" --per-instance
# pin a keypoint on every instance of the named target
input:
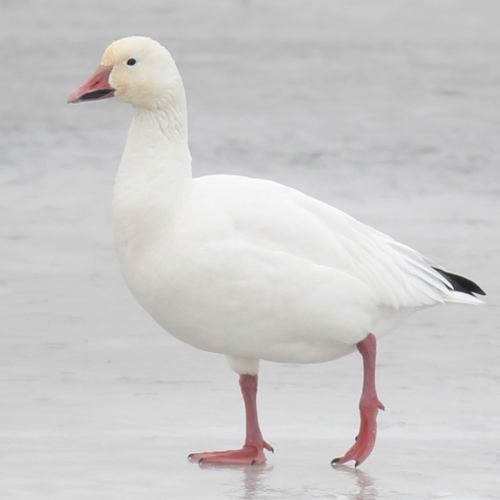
(389, 110)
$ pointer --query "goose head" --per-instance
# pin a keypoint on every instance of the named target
(136, 70)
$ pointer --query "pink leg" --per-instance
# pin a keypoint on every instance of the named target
(253, 449)
(368, 406)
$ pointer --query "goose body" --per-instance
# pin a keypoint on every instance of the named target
(251, 268)
(247, 267)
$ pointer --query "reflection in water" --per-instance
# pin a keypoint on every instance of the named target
(364, 482)
(256, 479)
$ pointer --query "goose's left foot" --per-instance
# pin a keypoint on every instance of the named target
(365, 441)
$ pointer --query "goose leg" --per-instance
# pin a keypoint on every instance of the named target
(368, 406)
(253, 449)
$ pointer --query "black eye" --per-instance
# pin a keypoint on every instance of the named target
(131, 62)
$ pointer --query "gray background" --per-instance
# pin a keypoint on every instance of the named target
(386, 109)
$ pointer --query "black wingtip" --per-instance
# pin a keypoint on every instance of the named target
(461, 284)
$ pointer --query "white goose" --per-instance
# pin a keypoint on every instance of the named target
(247, 267)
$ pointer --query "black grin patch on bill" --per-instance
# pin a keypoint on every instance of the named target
(96, 94)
